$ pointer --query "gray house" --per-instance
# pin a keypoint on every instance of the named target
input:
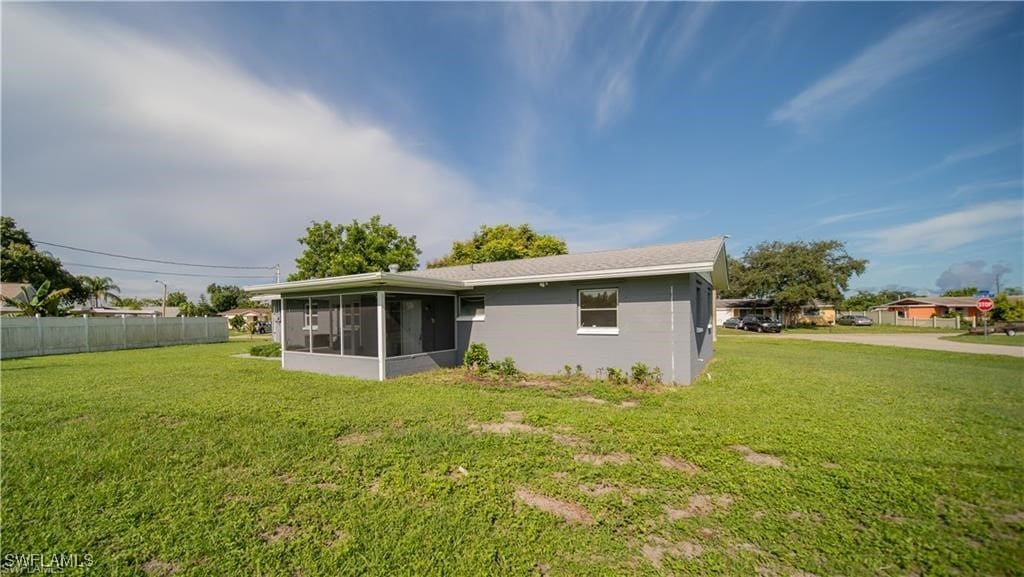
(599, 309)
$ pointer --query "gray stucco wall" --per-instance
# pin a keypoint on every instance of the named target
(420, 362)
(360, 367)
(537, 327)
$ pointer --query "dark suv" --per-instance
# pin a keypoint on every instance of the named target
(761, 324)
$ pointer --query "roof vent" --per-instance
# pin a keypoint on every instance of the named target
(392, 268)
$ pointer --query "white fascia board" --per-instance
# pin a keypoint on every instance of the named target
(597, 274)
(375, 279)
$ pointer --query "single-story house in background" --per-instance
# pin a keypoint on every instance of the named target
(248, 314)
(599, 309)
(928, 307)
(813, 313)
(103, 311)
(10, 290)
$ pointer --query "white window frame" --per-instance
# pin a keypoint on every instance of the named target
(310, 317)
(460, 317)
(582, 330)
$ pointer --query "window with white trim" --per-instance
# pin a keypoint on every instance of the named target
(471, 308)
(310, 318)
(598, 311)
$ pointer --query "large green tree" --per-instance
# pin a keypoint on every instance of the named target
(227, 297)
(23, 262)
(99, 287)
(501, 242)
(336, 250)
(176, 299)
(792, 274)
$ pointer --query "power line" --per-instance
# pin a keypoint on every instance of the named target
(163, 272)
(153, 259)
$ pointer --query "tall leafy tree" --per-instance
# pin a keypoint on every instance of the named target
(44, 301)
(336, 250)
(99, 287)
(176, 299)
(226, 297)
(792, 274)
(23, 262)
(501, 242)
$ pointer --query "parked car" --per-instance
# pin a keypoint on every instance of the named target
(733, 323)
(854, 321)
(761, 324)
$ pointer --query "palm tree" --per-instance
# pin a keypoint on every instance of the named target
(42, 301)
(100, 287)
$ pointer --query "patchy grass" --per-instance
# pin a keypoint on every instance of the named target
(788, 457)
(993, 339)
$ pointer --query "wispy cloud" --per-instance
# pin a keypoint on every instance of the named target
(968, 153)
(969, 189)
(909, 48)
(835, 218)
(951, 230)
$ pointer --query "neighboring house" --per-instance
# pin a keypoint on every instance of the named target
(10, 290)
(248, 314)
(149, 311)
(274, 301)
(600, 309)
(928, 307)
(813, 313)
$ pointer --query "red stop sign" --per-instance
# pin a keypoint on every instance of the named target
(985, 304)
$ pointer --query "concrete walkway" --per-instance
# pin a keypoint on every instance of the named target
(930, 341)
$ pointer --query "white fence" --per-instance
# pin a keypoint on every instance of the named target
(892, 318)
(33, 336)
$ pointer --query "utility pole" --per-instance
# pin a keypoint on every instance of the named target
(277, 273)
(163, 313)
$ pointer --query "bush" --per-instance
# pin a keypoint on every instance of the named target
(237, 322)
(506, 368)
(266, 350)
(617, 376)
(477, 357)
(644, 375)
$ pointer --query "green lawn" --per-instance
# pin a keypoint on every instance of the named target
(993, 339)
(873, 329)
(894, 462)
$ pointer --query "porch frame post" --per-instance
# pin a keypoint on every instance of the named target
(381, 353)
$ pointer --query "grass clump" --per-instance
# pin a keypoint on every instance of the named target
(266, 350)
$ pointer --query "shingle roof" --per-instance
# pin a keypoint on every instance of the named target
(680, 253)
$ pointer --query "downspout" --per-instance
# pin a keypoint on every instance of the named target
(672, 325)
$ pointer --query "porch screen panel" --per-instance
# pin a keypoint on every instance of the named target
(296, 334)
(359, 325)
(325, 327)
(419, 323)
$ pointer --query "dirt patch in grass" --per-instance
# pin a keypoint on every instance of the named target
(457, 473)
(286, 478)
(890, 518)
(830, 465)
(568, 440)
(678, 464)
(513, 416)
(755, 458)
(570, 512)
(628, 404)
(327, 486)
(168, 421)
(1014, 518)
(279, 534)
(157, 567)
(590, 399)
(375, 486)
(815, 516)
(599, 460)
(656, 549)
(355, 438)
(699, 506)
(512, 424)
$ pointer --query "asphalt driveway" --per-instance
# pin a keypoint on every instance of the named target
(931, 341)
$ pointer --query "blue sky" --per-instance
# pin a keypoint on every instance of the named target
(216, 132)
